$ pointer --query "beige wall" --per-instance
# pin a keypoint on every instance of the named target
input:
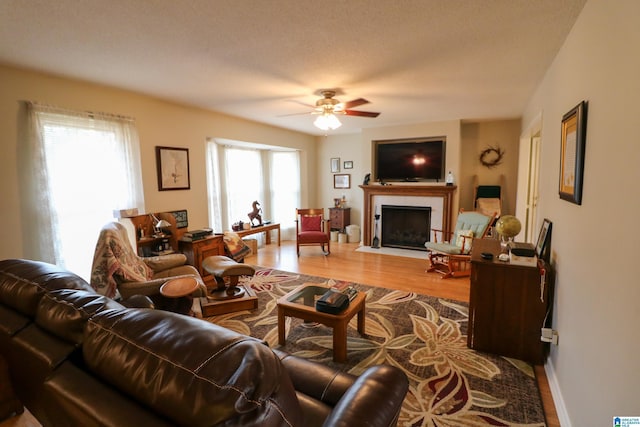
(464, 143)
(158, 122)
(594, 369)
(478, 136)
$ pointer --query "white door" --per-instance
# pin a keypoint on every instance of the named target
(528, 177)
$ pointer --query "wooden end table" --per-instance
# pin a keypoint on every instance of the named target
(301, 302)
(178, 294)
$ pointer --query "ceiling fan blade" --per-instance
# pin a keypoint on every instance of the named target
(361, 113)
(293, 114)
(355, 103)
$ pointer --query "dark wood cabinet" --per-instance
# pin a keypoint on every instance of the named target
(197, 251)
(507, 306)
(339, 218)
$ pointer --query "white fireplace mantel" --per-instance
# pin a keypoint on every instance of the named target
(380, 192)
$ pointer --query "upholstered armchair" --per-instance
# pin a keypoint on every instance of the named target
(117, 270)
(312, 229)
(450, 255)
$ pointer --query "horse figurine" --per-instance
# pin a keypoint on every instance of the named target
(255, 214)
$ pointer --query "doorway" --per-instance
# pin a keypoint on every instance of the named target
(528, 178)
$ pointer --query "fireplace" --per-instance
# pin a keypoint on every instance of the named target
(405, 227)
(439, 197)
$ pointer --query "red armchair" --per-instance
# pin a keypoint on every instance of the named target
(312, 229)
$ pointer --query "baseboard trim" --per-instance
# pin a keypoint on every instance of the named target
(558, 401)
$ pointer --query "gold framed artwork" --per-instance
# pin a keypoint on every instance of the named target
(342, 180)
(173, 168)
(572, 150)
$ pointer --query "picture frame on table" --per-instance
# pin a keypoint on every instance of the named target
(335, 164)
(572, 151)
(342, 180)
(544, 238)
(173, 168)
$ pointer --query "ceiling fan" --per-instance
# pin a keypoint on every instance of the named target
(327, 107)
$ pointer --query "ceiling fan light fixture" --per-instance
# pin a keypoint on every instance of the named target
(327, 121)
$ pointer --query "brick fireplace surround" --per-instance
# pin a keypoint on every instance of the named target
(371, 192)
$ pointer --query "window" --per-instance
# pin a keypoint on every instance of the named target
(86, 165)
(237, 176)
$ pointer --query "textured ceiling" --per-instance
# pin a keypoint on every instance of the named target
(415, 61)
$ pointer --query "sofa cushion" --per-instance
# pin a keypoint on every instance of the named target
(189, 370)
(64, 312)
(311, 223)
(235, 247)
(24, 282)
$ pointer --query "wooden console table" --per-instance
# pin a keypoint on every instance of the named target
(261, 229)
(507, 306)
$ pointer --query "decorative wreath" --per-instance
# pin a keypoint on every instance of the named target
(491, 157)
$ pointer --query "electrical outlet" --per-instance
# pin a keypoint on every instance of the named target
(549, 335)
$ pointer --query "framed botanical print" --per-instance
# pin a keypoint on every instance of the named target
(173, 168)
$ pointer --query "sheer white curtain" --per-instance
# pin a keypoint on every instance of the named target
(236, 176)
(83, 166)
(243, 183)
(214, 189)
(285, 189)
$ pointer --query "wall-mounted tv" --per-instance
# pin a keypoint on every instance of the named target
(418, 159)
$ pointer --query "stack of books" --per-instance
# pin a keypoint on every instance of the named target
(194, 235)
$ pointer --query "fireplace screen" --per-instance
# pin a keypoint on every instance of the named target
(405, 227)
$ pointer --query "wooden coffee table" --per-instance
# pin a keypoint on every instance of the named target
(300, 303)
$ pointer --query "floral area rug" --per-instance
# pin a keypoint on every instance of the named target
(450, 384)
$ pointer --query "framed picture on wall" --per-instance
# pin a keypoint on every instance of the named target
(342, 180)
(335, 164)
(348, 164)
(173, 168)
(572, 147)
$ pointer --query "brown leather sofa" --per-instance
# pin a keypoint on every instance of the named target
(79, 358)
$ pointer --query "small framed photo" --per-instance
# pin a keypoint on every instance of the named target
(348, 164)
(173, 168)
(572, 150)
(335, 164)
(543, 239)
(342, 180)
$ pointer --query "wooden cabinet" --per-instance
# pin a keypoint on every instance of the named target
(339, 218)
(507, 306)
(197, 251)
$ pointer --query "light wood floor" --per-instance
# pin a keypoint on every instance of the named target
(345, 263)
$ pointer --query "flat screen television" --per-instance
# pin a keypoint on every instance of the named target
(420, 159)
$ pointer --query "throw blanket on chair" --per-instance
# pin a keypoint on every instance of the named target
(114, 260)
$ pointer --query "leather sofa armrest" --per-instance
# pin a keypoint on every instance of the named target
(138, 301)
(382, 387)
(164, 262)
(318, 381)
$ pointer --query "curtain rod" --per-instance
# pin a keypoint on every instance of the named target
(90, 114)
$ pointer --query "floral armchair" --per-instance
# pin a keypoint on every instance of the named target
(117, 270)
